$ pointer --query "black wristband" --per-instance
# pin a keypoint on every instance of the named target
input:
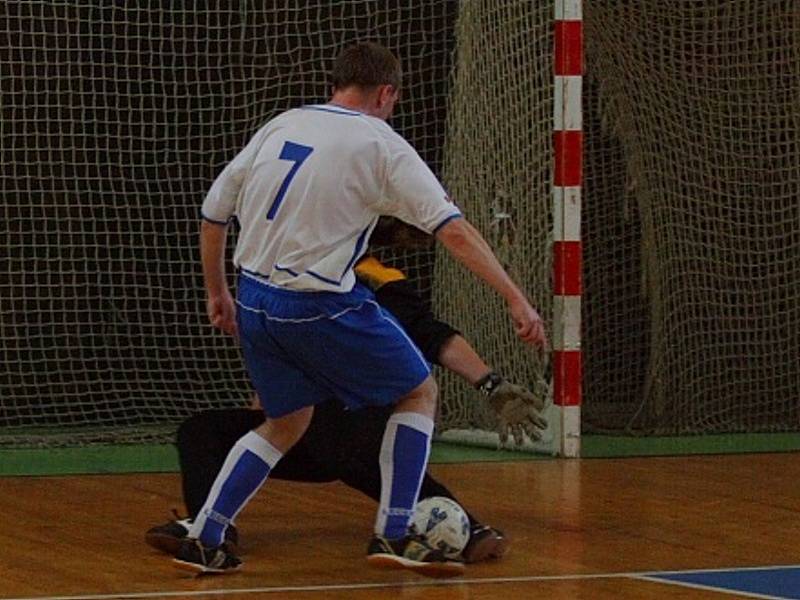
(488, 383)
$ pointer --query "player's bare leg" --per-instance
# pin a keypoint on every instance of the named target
(284, 432)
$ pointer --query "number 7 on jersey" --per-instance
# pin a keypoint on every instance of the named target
(297, 153)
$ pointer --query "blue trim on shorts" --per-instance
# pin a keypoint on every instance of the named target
(302, 348)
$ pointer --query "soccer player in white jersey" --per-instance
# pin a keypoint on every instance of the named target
(307, 191)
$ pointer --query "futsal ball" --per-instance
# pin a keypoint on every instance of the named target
(444, 523)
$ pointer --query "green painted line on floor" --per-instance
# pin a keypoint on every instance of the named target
(155, 458)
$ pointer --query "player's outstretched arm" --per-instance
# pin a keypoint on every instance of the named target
(220, 306)
(518, 408)
(467, 245)
(457, 355)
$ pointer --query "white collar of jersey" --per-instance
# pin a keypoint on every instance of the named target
(336, 108)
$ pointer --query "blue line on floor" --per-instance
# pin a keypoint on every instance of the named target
(770, 582)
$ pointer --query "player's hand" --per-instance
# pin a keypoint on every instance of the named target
(221, 311)
(518, 410)
(528, 324)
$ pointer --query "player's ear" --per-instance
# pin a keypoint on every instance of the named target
(386, 94)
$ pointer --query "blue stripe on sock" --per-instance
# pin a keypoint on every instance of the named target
(245, 478)
(409, 457)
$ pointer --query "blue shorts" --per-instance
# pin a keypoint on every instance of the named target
(302, 348)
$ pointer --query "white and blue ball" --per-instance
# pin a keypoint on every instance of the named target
(444, 523)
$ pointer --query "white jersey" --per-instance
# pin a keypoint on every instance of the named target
(308, 189)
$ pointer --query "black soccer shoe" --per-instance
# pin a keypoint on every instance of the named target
(485, 543)
(168, 537)
(414, 553)
(205, 560)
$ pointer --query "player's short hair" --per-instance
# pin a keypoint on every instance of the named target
(366, 65)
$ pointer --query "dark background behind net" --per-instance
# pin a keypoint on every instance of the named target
(692, 220)
(115, 121)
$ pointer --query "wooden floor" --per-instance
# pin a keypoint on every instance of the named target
(579, 529)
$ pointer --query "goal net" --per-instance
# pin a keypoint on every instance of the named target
(692, 218)
(117, 119)
(498, 169)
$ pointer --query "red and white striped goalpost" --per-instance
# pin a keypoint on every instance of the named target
(567, 180)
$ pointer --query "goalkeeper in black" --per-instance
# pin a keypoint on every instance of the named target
(340, 445)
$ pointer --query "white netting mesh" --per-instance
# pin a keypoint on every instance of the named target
(116, 120)
(497, 168)
(692, 219)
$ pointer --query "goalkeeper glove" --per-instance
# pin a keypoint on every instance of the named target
(517, 408)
